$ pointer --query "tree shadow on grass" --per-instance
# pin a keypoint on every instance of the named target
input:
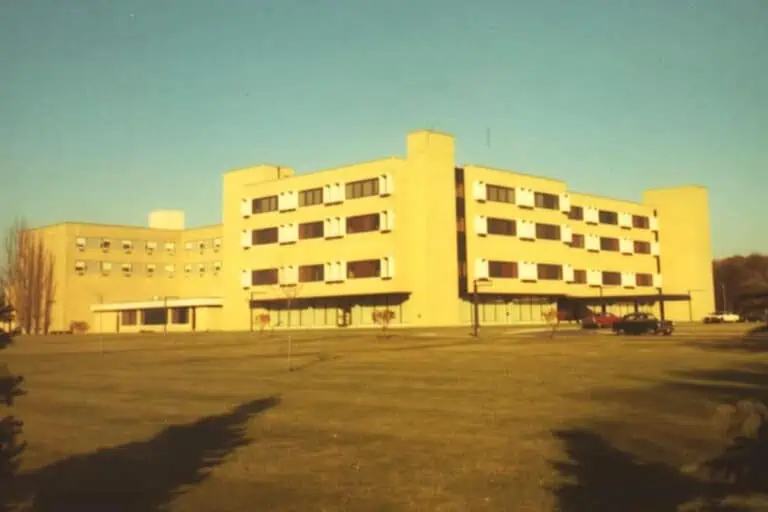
(755, 340)
(143, 475)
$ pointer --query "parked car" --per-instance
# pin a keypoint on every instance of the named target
(720, 317)
(598, 321)
(754, 316)
(643, 323)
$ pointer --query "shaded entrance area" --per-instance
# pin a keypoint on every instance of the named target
(161, 314)
(578, 307)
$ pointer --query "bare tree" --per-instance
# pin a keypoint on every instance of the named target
(49, 290)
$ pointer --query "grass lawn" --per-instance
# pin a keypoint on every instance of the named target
(424, 420)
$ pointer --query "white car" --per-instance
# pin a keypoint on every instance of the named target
(720, 317)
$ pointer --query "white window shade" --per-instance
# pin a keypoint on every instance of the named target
(188, 246)
(127, 267)
(188, 268)
(335, 271)
(170, 247)
(657, 281)
(628, 279)
(626, 246)
(566, 233)
(80, 243)
(287, 200)
(151, 268)
(334, 227)
(526, 230)
(246, 207)
(655, 249)
(568, 274)
(528, 271)
(479, 192)
(106, 266)
(386, 186)
(387, 267)
(288, 275)
(288, 233)
(245, 278)
(246, 238)
(387, 220)
(653, 223)
(625, 220)
(481, 225)
(216, 266)
(565, 203)
(481, 268)
(591, 215)
(170, 268)
(80, 267)
(151, 246)
(525, 197)
(217, 243)
(201, 267)
(592, 243)
(594, 277)
(127, 245)
(333, 193)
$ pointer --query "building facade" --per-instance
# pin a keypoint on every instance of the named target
(417, 235)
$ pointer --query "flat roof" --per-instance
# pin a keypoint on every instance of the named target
(177, 302)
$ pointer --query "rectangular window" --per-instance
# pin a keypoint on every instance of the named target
(547, 232)
(264, 236)
(580, 276)
(577, 241)
(311, 273)
(264, 204)
(501, 227)
(363, 223)
(264, 277)
(502, 269)
(500, 194)
(362, 188)
(180, 315)
(609, 244)
(129, 317)
(548, 201)
(550, 272)
(608, 217)
(642, 247)
(577, 213)
(311, 196)
(641, 222)
(154, 316)
(612, 278)
(364, 268)
(644, 280)
(311, 230)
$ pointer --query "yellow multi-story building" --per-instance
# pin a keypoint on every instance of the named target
(416, 235)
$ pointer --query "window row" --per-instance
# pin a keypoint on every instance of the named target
(528, 198)
(329, 272)
(107, 268)
(149, 246)
(529, 230)
(332, 193)
(330, 227)
(155, 316)
(531, 272)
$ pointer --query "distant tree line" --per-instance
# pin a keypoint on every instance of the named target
(738, 279)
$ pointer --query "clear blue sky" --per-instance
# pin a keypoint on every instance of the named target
(109, 109)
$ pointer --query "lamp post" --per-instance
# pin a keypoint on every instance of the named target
(722, 288)
(690, 303)
(476, 304)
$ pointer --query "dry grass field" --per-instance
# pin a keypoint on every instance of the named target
(423, 420)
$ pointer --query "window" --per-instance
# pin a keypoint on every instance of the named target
(310, 230)
(363, 188)
(580, 276)
(501, 227)
(550, 272)
(612, 278)
(641, 222)
(577, 241)
(264, 204)
(609, 244)
(577, 213)
(264, 236)
(644, 280)
(264, 277)
(502, 269)
(642, 247)
(129, 317)
(311, 196)
(547, 232)
(549, 201)
(500, 194)
(363, 268)
(105, 245)
(180, 315)
(154, 316)
(608, 217)
(363, 223)
(311, 273)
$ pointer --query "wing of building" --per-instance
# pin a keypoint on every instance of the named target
(418, 235)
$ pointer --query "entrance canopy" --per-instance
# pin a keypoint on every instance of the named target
(159, 303)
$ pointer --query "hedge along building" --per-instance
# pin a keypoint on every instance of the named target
(410, 234)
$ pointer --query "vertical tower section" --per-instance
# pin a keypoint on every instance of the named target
(432, 244)
(685, 248)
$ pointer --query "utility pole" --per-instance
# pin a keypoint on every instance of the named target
(476, 308)
(725, 306)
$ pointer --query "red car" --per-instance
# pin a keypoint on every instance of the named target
(599, 321)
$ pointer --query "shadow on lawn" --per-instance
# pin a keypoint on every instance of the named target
(649, 476)
(143, 475)
(755, 340)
